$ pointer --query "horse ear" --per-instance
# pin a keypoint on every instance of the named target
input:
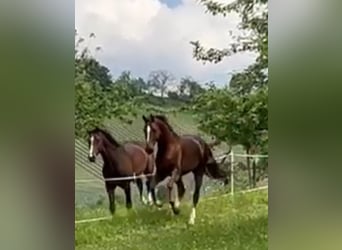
(144, 118)
(151, 117)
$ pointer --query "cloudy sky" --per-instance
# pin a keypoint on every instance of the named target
(146, 35)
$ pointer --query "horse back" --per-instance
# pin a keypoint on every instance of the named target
(193, 151)
(139, 158)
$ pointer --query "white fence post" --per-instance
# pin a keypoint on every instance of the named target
(232, 172)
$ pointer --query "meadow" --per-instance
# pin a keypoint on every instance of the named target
(223, 222)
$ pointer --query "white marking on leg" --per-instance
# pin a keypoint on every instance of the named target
(158, 202)
(148, 133)
(91, 150)
(143, 200)
(150, 199)
(192, 216)
(176, 201)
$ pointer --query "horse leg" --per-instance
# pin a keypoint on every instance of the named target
(151, 193)
(151, 183)
(128, 196)
(175, 176)
(173, 203)
(198, 183)
(111, 197)
(140, 188)
(180, 192)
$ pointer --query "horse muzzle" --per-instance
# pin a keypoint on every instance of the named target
(91, 158)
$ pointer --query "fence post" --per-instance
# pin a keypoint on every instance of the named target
(232, 172)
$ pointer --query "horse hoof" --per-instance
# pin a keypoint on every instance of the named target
(176, 211)
(158, 204)
(191, 222)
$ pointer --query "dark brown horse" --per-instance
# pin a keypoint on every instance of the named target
(120, 161)
(178, 155)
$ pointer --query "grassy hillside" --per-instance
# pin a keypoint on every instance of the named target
(222, 222)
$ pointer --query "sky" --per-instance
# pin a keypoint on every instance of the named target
(146, 35)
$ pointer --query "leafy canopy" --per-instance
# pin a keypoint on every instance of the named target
(238, 113)
(97, 97)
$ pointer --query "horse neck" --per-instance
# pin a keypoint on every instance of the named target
(167, 137)
(107, 148)
(105, 157)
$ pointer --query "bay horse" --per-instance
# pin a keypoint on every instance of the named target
(176, 156)
(120, 160)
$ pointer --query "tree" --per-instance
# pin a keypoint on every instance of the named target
(94, 103)
(216, 110)
(173, 95)
(137, 86)
(254, 27)
(160, 80)
(140, 85)
(85, 63)
(250, 79)
(189, 88)
(253, 36)
(238, 114)
(237, 120)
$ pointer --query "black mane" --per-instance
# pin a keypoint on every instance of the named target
(166, 122)
(108, 136)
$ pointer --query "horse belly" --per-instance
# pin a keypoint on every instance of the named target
(138, 157)
(164, 166)
(191, 155)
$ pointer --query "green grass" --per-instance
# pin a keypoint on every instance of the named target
(222, 223)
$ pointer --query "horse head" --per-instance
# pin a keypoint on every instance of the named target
(95, 143)
(152, 132)
(98, 139)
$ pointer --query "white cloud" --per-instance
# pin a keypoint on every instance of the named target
(144, 35)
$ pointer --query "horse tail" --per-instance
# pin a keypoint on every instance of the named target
(213, 170)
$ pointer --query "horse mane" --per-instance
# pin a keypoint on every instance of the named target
(108, 136)
(166, 122)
